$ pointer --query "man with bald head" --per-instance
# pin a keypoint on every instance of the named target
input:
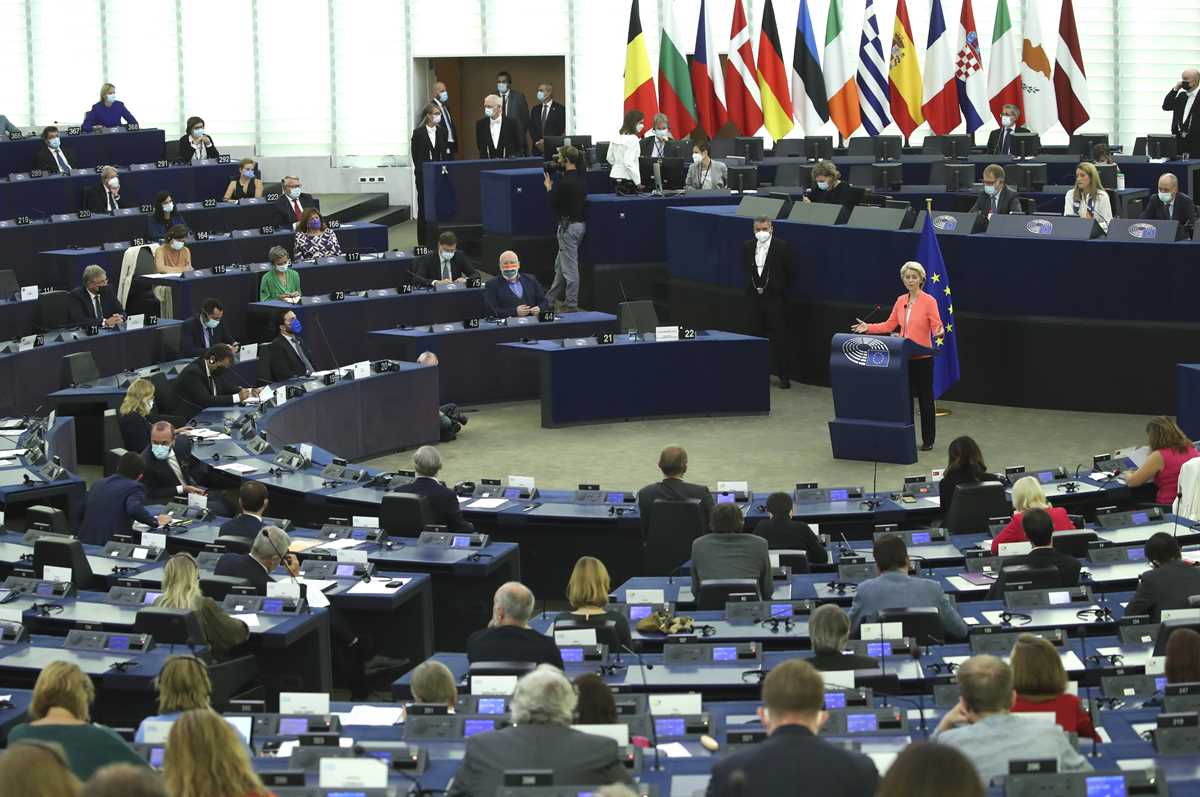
(1171, 203)
(1185, 112)
(441, 98)
(497, 135)
(508, 636)
(513, 293)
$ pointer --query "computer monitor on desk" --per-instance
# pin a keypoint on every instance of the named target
(1026, 145)
(1026, 176)
(1082, 144)
(749, 147)
(665, 174)
(957, 147)
(1162, 146)
(885, 148)
(818, 148)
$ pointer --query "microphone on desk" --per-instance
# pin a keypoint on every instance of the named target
(424, 281)
(325, 338)
(866, 319)
(642, 667)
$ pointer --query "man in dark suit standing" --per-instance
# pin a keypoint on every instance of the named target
(252, 498)
(105, 196)
(201, 384)
(765, 261)
(1000, 139)
(1170, 583)
(116, 501)
(171, 470)
(996, 196)
(548, 118)
(673, 462)
(441, 98)
(292, 203)
(508, 636)
(1171, 203)
(268, 551)
(445, 264)
(514, 293)
(429, 143)
(1185, 113)
(793, 711)
(205, 329)
(288, 355)
(93, 302)
(496, 135)
(443, 503)
(1039, 528)
(514, 106)
(53, 158)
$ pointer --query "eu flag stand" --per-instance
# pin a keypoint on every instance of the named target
(872, 401)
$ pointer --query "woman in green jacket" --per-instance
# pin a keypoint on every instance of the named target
(282, 282)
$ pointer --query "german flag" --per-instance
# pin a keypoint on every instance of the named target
(773, 78)
(639, 80)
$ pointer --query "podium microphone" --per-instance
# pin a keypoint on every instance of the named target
(874, 310)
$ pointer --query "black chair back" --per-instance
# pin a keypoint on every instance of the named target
(217, 587)
(9, 285)
(716, 592)
(50, 518)
(605, 628)
(922, 623)
(972, 506)
(404, 514)
(232, 544)
(672, 527)
(1073, 543)
(793, 174)
(169, 626)
(78, 369)
(64, 553)
(52, 311)
(1032, 576)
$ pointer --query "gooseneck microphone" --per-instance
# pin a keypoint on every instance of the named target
(867, 318)
(643, 666)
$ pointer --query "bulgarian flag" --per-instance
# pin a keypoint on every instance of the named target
(639, 80)
(840, 85)
(1004, 75)
(674, 82)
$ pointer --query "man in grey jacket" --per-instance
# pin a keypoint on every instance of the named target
(543, 708)
(894, 588)
(730, 553)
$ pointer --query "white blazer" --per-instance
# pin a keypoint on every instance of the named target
(1102, 212)
(623, 154)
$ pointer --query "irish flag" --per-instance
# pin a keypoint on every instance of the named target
(639, 80)
(1004, 76)
(674, 82)
(840, 86)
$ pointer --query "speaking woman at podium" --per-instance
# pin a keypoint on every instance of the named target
(915, 314)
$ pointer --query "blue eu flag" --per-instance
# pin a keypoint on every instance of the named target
(929, 255)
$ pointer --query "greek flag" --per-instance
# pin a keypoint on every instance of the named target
(872, 75)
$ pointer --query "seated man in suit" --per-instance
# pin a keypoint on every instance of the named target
(654, 143)
(1171, 203)
(793, 711)
(93, 302)
(443, 503)
(497, 135)
(673, 462)
(1169, 583)
(548, 118)
(730, 552)
(1000, 139)
(288, 355)
(105, 196)
(203, 384)
(828, 186)
(206, 328)
(292, 203)
(53, 158)
(1039, 529)
(445, 264)
(171, 470)
(996, 197)
(268, 551)
(116, 501)
(541, 737)
(894, 588)
(252, 498)
(508, 636)
(514, 293)
(783, 532)
(829, 630)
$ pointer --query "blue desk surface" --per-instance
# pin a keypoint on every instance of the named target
(633, 229)
(1187, 398)
(16, 318)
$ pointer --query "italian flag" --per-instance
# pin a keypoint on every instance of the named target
(1004, 76)
(840, 86)
(674, 81)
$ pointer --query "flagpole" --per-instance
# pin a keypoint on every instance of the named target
(938, 412)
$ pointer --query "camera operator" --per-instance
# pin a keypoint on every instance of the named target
(567, 196)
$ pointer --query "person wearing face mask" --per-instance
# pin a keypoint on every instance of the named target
(624, 151)
(828, 187)
(164, 216)
(116, 501)
(445, 264)
(313, 239)
(282, 282)
(514, 293)
(765, 260)
(1171, 203)
(196, 144)
(245, 185)
(496, 135)
(548, 118)
(53, 158)
(705, 173)
(105, 196)
(654, 143)
(108, 112)
(292, 203)
(209, 381)
(1088, 199)
(1185, 113)
(93, 302)
(514, 106)
(567, 197)
(171, 470)
(173, 257)
(206, 328)
(996, 196)
(1000, 139)
(440, 99)
(428, 144)
(288, 356)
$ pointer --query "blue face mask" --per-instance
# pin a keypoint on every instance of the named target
(211, 323)
(295, 326)
(53, 143)
(444, 96)
(541, 95)
(314, 223)
(160, 451)
(247, 173)
(990, 190)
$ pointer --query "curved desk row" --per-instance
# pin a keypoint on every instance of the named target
(116, 146)
(25, 479)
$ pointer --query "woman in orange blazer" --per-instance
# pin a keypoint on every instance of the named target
(916, 315)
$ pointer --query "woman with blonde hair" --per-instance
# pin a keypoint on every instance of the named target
(181, 590)
(36, 769)
(1027, 494)
(60, 713)
(1088, 199)
(1041, 685)
(205, 757)
(133, 417)
(183, 684)
(108, 112)
(587, 592)
(1169, 449)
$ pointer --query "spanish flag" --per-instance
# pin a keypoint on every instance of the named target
(904, 77)
(773, 78)
(639, 80)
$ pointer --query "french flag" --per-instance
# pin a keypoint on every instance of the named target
(940, 104)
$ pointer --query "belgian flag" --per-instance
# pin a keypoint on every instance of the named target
(639, 79)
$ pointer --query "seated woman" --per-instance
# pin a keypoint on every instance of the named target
(37, 770)
(181, 590)
(1183, 657)
(1027, 494)
(587, 592)
(313, 239)
(433, 683)
(206, 757)
(829, 630)
(1041, 685)
(183, 684)
(61, 713)
(109, 112)
(245, 185)
(134, 414)
(164, 216)
(965, 466)
(1169, 449)
(1088, 199)
(282, 282)
(596, 705)
(196, 144)
(173, 257)
(705, 173)
(828, 186)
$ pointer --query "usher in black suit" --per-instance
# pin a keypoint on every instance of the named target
(768, 302)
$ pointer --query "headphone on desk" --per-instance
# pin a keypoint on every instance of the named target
(1007, 617)
(842, 587)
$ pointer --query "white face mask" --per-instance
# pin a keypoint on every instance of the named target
(487, 112)
(168, 208)
(662, 132)
(1165, 197)
(1006, 121)
(294, 193)
(110, 99)
(113, 183)
(640, 127)
(822, 185)
(762, 235)
(697, 157)
(436, 119)
(176, 245)
(281, 267)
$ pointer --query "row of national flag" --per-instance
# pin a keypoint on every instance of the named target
(755, 88)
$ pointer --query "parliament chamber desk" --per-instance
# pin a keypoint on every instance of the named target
(1187, 398)
(585, 382)
(1069, 301)
(1048, 200)
(114, 146)
(65, 266)
(471, 367)
(452, 189)
(23, 482)
(14, 708)
(514, 200)
(16, 318)
(336, 331)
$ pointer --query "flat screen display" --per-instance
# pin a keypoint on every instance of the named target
(639, 612)
(669, 726)
(726, 498)
(472, 727)
(1139, 518)
(44, 588)
(615, 498)
(358, 534)
(1059, 598)
(272, 605)
(725, 653)
(292, 726)
(839, 495)
(118, 643)
(512, 492)
(490, 705)
(835, 700)
(859, 723)
(879, 648)
(156, 757)
(150, 598)
(919, 537)
(460, 541)
(781, 610)
(1135, 554)
(1045, 476)
(571, 654)
(345, 571)
(1105, 786)
(1160, 683)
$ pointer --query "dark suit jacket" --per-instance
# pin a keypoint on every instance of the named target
(510, 643)
(283, 362)
(423, 151)
(510, 139)
(243, 525)
(832, 662)
(191, 341)
(113, 504)
(242, 565)
(160, 480)
(555, 124)
(1183, 210)
(95, 201)
(841, 194)
(731, 555)
(44, 159)
(447, 124)
(285, 217)
(502, 302)
(192, 393)
(82, 311)
(1186, 131)
(577, 758)
(1165, 587)
(774, 279)
(430, 266)
(993, 145)
(135, 430)
(647, 145)
(1007, 201)
(1068, 568)
(792, 534)
(442, 502)
(518, 111)
(672, 490)
(186, 153)
(792, 755)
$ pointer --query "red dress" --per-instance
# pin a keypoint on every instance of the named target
(1015, 532)
(1068, 713)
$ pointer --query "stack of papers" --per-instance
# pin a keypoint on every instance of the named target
(237, 468)
(373, 715)
(378, 586)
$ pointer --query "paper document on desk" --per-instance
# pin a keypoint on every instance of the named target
(237, 468)
(338, 545)
(674, 750)
(378, 586)
(298, 546)
(251, 620)
(960, 583)
(488, 503)
(379, 716)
